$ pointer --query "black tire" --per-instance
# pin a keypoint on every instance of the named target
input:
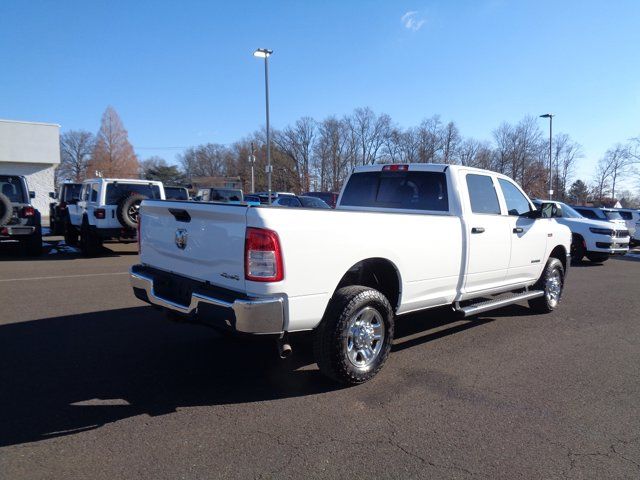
(90, 243)
(6, 209)
(127, 211)
(551, 298)
(33, 244)
(577, 249)
(331, 338)
(70, 234)
(598, 257)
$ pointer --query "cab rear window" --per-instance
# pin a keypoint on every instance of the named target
(401, 190)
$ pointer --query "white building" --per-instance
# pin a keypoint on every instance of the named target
(33, 150)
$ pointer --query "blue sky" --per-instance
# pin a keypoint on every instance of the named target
(182, 73)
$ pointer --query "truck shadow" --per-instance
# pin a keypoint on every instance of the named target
(69, 374)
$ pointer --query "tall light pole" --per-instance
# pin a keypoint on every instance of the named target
(252, 162)
(265, 53)
(550, 117)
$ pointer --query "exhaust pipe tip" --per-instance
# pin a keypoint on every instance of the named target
(284, 350)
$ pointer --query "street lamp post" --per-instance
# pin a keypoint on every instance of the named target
(265, 53)
(252, 162)
(550, 117)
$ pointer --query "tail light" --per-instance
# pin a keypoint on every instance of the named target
(99, 213)
(27, 212)
(62, 205)
(395, 168)
(262, 256)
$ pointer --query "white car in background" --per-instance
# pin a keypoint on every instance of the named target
(594, 238)
(604, 214)
(632, 220)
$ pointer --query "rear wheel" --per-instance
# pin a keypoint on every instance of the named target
(33, 244)
(577, 249)
(598, 257)
(552, 283)
(354, 338)
(70, 234)
(90, 243)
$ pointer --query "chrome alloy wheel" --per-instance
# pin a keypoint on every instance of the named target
(364, 337)
(553, 288)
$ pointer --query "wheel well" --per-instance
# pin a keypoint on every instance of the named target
(561, 254)
(377, 273)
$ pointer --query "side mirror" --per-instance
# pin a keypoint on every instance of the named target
(52, 194)
(32, 194)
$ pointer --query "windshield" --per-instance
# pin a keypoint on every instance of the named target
(71, 191)
(118, 190)
(12, 187)
(612, 215)
(569, 212)
(312, 202)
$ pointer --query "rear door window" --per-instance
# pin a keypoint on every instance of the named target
(482, 194)
(401, 190)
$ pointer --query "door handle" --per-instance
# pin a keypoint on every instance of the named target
(477, 230)
(518, 230)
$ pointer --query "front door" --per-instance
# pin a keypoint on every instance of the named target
(528, 235)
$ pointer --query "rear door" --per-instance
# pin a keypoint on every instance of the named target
(487, 233)
(528, 236)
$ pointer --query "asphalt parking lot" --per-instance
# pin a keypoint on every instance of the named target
(94, 384)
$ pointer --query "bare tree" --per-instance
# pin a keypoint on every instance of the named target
(618, 160)
(474, 153)
(370, 131)
(113, 155)
(334, 152)
(565, 153)
(297, 143)
(429, 139)
(208, 160)
(75, 151)
(450, 142)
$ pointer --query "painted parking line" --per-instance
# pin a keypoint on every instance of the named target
(57, 277)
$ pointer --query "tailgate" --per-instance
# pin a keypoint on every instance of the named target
(203, 241)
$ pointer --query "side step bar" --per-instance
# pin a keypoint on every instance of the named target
(502, 302)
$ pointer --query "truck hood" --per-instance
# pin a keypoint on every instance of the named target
(588, 222)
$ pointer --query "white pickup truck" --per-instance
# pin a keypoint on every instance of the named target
(403, 238)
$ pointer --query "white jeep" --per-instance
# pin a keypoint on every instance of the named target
(108, 210)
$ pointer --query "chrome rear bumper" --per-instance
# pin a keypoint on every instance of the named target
(256, 315)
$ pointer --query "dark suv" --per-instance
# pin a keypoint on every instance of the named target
(18, 219)
(58, 213)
